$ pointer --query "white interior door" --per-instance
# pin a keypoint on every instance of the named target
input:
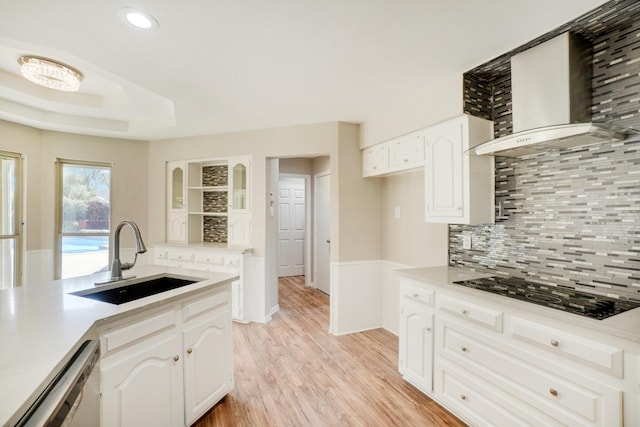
(322, 240)
(291, 226)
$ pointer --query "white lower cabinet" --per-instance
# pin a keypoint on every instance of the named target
(168, 368)
(416, 343)
(493, 367)
(211, 259)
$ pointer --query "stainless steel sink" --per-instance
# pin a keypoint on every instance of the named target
(128, 290)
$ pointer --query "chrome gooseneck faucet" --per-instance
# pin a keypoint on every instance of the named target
(117, 266)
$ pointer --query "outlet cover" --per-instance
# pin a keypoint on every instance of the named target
(466, 241)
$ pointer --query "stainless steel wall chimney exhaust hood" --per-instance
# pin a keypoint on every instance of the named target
(551, 101)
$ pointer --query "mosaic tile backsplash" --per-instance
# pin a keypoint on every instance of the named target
(215, 176)
(567, 218)
(571, 217)
(214, 229)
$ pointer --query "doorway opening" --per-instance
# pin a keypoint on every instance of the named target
(293, 208)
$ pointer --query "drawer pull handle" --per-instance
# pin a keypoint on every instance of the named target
(176, 358)
(463, 348)
(553, 392)
(463, 311)
(555, 343)
(463, 397)
(189, 350)
(416, 295)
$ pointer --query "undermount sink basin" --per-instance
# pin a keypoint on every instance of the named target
(132, 289)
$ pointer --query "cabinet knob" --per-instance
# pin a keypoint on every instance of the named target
(416, 295)
(555, 343)
(463, 311)
(463, 397)
(427, 329)
(406, 160)
(553, 392)
(189, 350)
(463, 348)
(176, 358)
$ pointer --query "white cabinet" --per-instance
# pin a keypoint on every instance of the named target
(209, 201)
(375, 160)
(394, 156)
(459, 186)
(416, 337)
(208, 359)
(493, 364)
(211, 259)
(169, 367)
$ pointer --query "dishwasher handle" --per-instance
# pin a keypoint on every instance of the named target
(64, 393)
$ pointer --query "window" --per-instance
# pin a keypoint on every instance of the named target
(10, 222)
(83, 218)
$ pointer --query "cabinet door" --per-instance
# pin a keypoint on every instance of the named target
(176, 227)
(143, 386)
(416, 343)
(375, 160)
(239, 180)
(407, 152)
(208, 363)
(176, 184)
(239, 232)
(445, 172)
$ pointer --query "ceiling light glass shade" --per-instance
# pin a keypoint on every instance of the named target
(138, 18)
(49, 73)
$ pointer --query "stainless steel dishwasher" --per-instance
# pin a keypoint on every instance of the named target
(73, 397)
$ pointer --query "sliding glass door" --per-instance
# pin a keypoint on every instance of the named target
(10, 222)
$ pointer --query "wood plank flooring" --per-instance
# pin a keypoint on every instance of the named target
(291, 372)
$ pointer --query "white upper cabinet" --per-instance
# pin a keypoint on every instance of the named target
(399, 154)
(459, 186)
(375, 160)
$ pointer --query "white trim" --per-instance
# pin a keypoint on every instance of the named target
(315, 232)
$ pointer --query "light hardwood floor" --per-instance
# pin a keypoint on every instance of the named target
(291, 372)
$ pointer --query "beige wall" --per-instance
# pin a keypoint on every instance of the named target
(410, 240)
(42, 148)
(297, 165)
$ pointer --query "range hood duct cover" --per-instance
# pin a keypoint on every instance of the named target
(551, 101)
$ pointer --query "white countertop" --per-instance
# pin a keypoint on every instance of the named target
(42, 326)
(625, 325)
(222, 247)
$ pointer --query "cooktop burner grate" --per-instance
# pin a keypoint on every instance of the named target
(565, 299)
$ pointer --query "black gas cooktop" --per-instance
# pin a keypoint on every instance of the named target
(565, 299)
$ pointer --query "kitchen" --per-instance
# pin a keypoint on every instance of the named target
(405, 241)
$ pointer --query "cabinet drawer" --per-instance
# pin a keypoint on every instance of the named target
(213, 259)
(418, 293)
(140, 329)
(175, 255)
(480, 402)
(232, 260)
(487, 317)
(592, 353)
(567, 401)
(203, 304)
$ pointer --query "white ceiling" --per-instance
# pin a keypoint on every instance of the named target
(219, 66)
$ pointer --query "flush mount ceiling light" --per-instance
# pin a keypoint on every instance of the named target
(49, 73)
(138, 18)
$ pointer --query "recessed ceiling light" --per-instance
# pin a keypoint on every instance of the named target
(138, 18)
(49, 73)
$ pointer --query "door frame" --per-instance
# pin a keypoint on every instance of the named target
(315, 225)
(307, 223)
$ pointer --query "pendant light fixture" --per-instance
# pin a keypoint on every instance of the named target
(49, 73)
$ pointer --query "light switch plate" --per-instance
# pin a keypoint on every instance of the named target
(396, 212)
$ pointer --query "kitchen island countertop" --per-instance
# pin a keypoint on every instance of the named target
(42, 326)
(625, 325)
